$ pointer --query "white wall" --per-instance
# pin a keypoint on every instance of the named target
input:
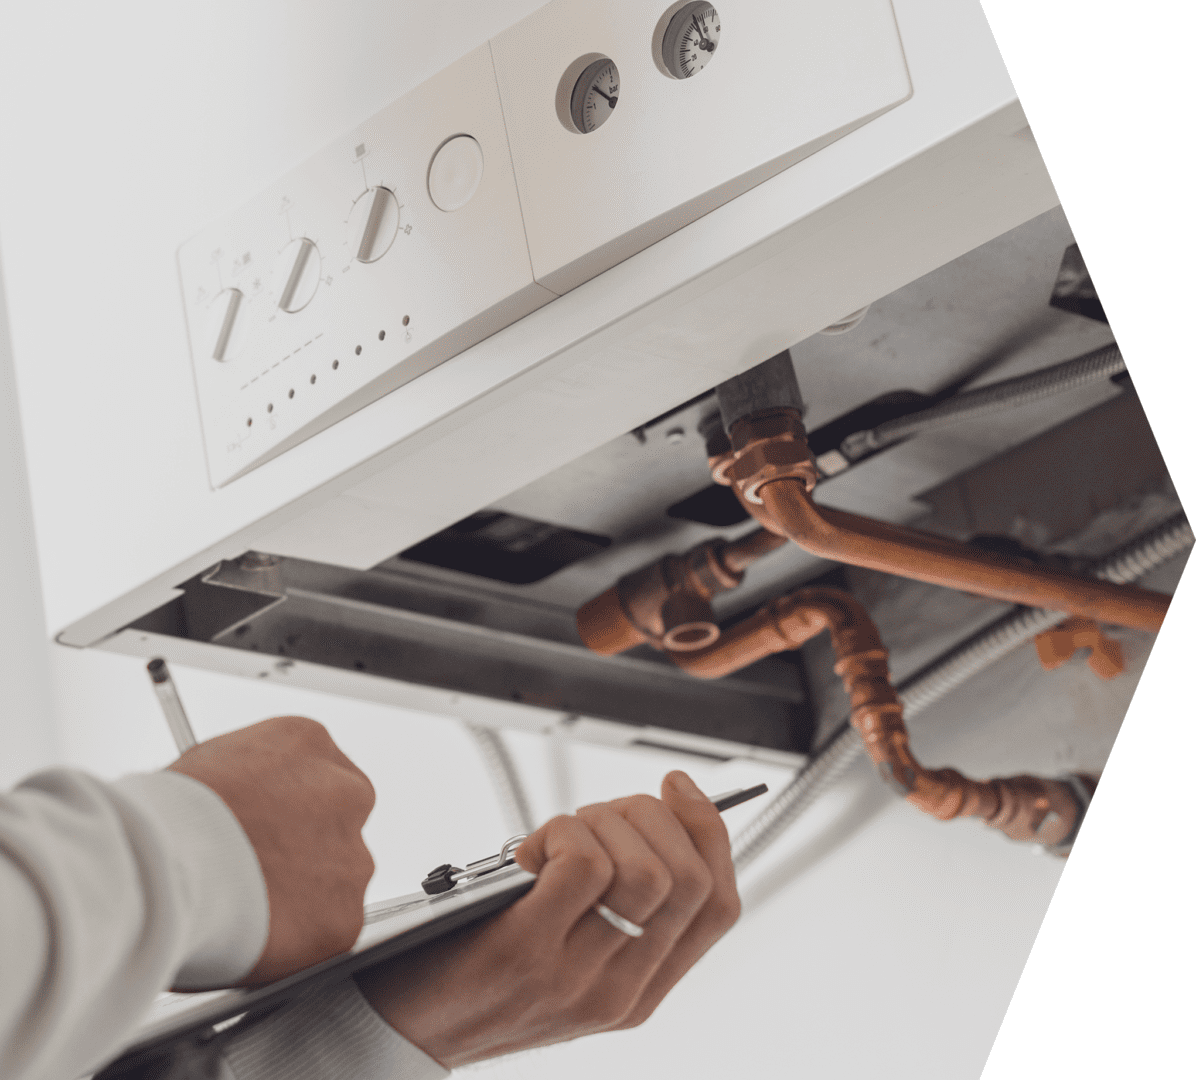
(26, 730)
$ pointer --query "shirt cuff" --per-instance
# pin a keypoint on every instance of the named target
(327, 1035)
(220, 881)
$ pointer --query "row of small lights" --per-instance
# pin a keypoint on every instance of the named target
(335, 364)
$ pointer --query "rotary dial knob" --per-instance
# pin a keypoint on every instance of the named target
(373, 224)
(224, 325)
(297, 274)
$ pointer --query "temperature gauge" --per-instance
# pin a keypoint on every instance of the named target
(595, 95)
(690, 40)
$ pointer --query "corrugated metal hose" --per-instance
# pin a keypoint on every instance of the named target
(516, 808)
(1092, 367)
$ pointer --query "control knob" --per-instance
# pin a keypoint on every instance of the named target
(373, 224)
(223, 325)
(297, 274)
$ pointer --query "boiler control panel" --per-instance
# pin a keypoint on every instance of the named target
(577, 138)
(387, 253)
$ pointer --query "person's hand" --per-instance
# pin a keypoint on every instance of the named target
(302, 804)
(549, 968)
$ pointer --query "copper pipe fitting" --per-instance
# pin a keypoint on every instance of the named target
(1025, 807)
(739, 554)
(667, 604)
(768, 446)
(894, 549)
(781, 503)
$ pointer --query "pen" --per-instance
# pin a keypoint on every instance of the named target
(733, 798)
(443, 878)
(172, 706)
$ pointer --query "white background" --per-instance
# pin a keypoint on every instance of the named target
(898, 952)
(1107, 88)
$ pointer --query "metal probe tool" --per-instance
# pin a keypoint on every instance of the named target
(172, 705)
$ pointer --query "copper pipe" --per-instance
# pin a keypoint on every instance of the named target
(667, 604)
(787, 622)
(739, 554)
(893, 549)
(769, 468)
(1023, 807)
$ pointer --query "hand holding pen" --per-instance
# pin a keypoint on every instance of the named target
(628, 895)
(301, 804)
(552, 967)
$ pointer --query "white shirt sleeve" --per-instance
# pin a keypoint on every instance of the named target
(109, 893)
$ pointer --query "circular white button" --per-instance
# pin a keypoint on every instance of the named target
(455, 173)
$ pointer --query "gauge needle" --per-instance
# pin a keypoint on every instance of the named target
(612, 100)
(706, 44)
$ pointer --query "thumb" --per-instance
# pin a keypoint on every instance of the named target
(700, 818)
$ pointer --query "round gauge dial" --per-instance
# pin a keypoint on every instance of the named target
(595, 95)
(690, 40)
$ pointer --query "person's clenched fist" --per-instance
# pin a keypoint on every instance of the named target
(550, 968)
(302, 804)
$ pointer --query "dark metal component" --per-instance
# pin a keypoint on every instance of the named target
(506, 547)
(710, 427)
(1074, 290)
(714, 505)
(1083, 787)
(253, 572)
(440, 880)
(770, 385)
(446, 876)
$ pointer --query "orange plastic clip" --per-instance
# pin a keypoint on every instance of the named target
(1057, 646)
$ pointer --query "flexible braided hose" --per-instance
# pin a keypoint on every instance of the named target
(1092, 367)
(505, 777)
(1126, 564)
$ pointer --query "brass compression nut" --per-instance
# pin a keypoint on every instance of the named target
(770, 446)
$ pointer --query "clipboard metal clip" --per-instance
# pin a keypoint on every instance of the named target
(445, 877)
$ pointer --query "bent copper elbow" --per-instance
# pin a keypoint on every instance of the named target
(667, 604)
(769, 468)
(1025, 808)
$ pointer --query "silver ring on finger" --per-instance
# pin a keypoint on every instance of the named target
(618, 922)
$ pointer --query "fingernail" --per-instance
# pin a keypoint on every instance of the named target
(683, 785)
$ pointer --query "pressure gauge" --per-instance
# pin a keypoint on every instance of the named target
(690, 40)
(595, 95)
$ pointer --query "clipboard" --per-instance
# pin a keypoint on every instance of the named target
(182, 1025)
(187, 1024)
